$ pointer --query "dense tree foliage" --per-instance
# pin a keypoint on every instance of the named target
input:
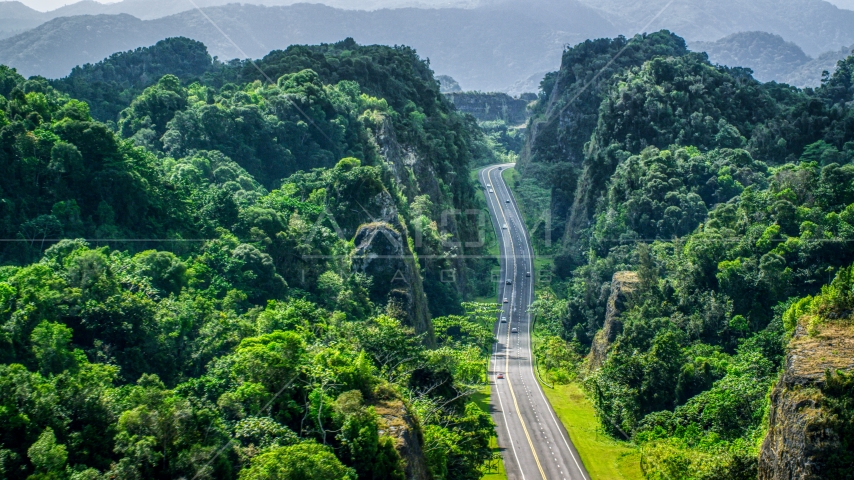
(730, 199)
(111, 84)
(210, 320)
(593, 114)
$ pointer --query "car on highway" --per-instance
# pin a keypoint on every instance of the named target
(528, 274)
(514, 330)
(489, 185)
(506, 301)
(490, 191)
(507, 201)
(500, 376)
(503, 319)
(504, 227)
(509, 282)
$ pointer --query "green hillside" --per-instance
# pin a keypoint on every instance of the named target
(691, 206)
(222, 313)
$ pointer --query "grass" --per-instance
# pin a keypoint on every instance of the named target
(604, 457)
(489, 299)
(495, 471)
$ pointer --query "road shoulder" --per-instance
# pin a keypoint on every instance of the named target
(604, 457)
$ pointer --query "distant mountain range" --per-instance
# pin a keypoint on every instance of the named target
(771, 58)
(503, 45)
(484, 49)
(816, 26)
(846, 4)
(15, 16)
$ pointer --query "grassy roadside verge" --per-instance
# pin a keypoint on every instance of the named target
(495, 469)
(604, 457)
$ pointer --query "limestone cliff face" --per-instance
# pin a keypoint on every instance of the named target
(487, 107)
(382, 252)
(413, 174)
(622, 286)
(397, 423)
(416, 176)
(800, 440)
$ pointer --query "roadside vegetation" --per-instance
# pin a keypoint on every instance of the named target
(728, 199)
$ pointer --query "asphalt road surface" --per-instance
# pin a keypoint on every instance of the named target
(534, 443)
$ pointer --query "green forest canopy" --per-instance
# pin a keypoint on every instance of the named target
(730, 198)
(127, 356)
(214, 325)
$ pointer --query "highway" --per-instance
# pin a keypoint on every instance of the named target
(534, 443)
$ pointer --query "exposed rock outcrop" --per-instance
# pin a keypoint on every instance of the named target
(447, 84)
(622, 286)
(382, 252)
(396, 422)
(487, 107)
(416, 176)
(801, 439)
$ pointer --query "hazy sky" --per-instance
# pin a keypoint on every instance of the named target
(45, 5)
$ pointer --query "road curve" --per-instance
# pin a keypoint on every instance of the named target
(534, 444)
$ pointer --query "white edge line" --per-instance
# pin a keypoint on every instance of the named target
(530, 252)
(486, 172)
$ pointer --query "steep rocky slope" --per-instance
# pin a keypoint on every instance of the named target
(486, 107)
(382, 253)
(802, 442)
(622, 286)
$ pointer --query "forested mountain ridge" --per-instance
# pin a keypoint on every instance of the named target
(811, 73)
(772, 58)
(769, 56)
(699, 20)
(109, 86)
(702, 231)
(489, 46)
(261, 294)
(767, 119)
(452, 37)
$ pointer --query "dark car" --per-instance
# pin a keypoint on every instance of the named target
(509, 282)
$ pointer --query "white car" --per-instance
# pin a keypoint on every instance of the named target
(503, 319)
(506, 301)
(514, 330)
(504, 227)
(489, 185)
